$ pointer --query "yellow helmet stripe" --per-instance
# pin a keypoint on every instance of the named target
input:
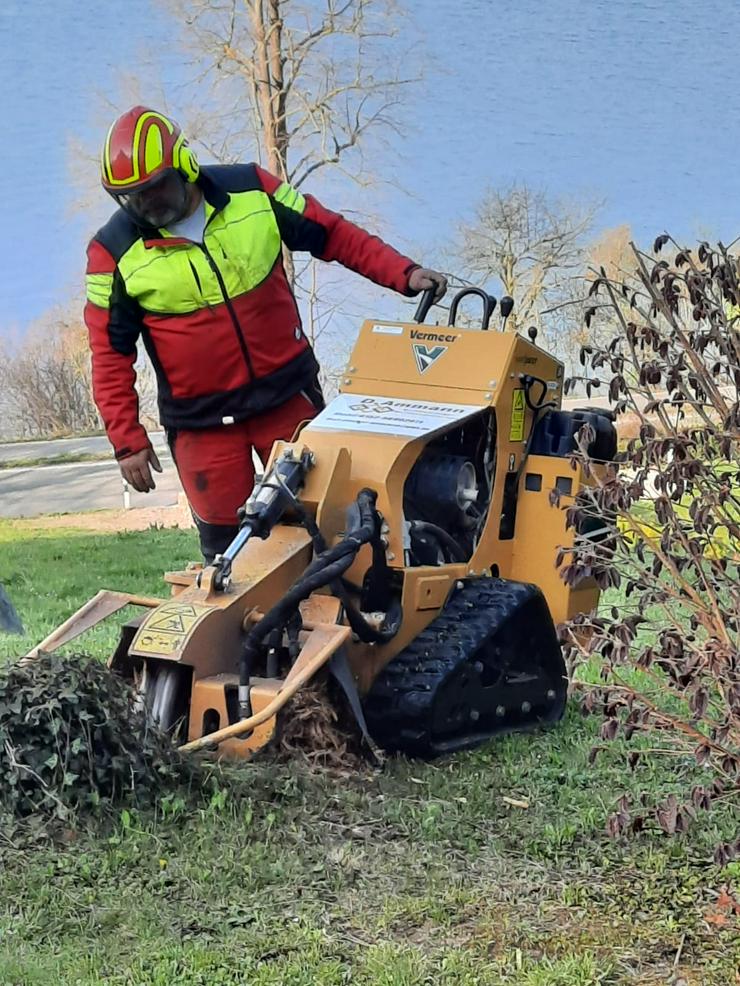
(153, 149)
(106, 155)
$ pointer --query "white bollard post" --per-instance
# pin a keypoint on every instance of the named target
(126, 496)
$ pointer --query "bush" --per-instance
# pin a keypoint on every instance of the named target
(71, 739)
(45, 381)
(669, 655)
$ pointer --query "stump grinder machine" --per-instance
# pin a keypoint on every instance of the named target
(404, 541)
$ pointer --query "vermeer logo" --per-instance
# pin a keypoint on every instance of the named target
(426, 355)
(432, 336)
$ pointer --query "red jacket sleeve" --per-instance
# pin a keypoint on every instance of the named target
(305, 224)
(113, 332)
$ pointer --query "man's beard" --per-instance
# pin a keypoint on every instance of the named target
(162, 206)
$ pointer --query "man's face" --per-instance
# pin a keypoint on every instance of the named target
(160, 203)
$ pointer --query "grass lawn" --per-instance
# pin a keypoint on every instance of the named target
(55, 460)
(419, 874)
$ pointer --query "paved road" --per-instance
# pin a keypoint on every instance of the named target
(73, 487)
(99, 444)
(78, 486)
(16, 451)
(570, 403)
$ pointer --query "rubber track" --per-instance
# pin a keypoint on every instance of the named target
(399, 705)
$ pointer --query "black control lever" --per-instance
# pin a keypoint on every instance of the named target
(427, 300)
(506, 307)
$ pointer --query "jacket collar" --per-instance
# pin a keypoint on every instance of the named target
(213, 191)
(215, 195)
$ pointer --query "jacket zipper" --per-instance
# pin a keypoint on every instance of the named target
(235, 321)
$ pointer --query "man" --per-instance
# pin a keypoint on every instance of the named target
(192, 263)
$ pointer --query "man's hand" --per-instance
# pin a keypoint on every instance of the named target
(135, 469)
(422, 278)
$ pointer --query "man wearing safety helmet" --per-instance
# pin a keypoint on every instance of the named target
(192, 263)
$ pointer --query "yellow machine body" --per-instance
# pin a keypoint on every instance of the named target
(405, 385)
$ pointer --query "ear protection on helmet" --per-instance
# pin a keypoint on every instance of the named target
(185, 160)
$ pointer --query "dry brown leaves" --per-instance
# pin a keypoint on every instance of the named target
(316, 728)
(725, 911)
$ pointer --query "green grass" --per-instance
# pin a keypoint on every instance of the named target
(64, 458)
(49, 573)
(85, 433)
(419, 874)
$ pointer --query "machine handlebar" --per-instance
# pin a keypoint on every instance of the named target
(489, 304)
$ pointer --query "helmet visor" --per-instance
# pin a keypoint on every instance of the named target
(162, 201)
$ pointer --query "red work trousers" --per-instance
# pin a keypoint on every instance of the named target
(216, 468)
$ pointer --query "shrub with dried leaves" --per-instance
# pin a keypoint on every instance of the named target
(669, 509)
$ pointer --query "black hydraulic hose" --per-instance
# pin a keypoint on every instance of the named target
(425, 527)
(294, 627)
(367, 633)
(311, 526)
(359, 625)
(354, 539)
(528, 379)
(271, 667)
(340, 587)
(277, 616)
(325, 569)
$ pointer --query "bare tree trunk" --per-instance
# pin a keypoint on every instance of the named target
(266, 26)
(270, 93)
(278, 102)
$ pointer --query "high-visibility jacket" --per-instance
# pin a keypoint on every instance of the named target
(218, 319)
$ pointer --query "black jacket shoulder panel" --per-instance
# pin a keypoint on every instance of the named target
(298, 232)
(229, 178)
(118, 235)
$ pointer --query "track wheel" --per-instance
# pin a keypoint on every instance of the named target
(489, 663)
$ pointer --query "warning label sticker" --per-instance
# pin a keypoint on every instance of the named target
(165, 629)
(389, 415)
(516, 432)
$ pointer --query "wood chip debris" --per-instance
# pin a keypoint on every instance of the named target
(515, 802)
